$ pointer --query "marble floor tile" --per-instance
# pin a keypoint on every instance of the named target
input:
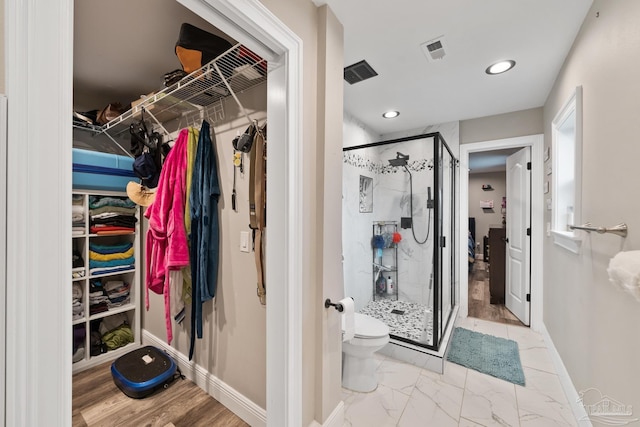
(489, 401)
(539, 409)
(544, 383)
(468, 423)
(434, 402)
(537, 358)
(399, 376)
(492, 328)
(378, 359)
(525, 337)
(543, 402)
(454, 374)
(467, 323)
(409, 396)
(382, 407)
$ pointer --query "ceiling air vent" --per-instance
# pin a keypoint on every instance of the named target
(434, 49)
(358, 72)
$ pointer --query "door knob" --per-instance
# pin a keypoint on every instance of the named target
(506, 239)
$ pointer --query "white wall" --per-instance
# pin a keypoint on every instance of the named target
(2, 79)
(355, 133)
(501, 126)
(486, 217)
(594, 325)
(450, 131)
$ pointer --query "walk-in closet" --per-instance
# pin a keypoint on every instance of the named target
(149, 98)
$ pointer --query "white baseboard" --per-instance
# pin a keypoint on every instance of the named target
(336, 419)
(569, 389)
(237, 403)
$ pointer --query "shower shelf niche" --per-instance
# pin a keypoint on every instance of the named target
(385, 260)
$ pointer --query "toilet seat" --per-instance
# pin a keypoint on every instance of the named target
(367, 327)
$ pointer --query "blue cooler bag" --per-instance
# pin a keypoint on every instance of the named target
(141, 372)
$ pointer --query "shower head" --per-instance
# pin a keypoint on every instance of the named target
(400, 160)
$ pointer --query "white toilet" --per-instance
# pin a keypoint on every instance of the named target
(358, 365)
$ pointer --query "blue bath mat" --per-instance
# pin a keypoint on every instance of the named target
(498, 357)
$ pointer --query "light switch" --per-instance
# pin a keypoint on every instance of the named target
(244, 241)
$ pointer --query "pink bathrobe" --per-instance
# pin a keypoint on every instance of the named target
(167, 247)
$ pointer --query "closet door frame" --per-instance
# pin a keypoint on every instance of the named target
(39, 38)
(3, 245)
(249, 22)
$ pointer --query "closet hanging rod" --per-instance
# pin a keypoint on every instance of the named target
(619, 229)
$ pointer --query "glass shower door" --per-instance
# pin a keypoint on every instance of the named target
(446, 246)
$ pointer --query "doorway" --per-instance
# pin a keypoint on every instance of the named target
(32, 34)
(488, 195)
(537, 231)
(499, 244)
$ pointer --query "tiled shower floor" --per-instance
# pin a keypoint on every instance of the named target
(412, 324)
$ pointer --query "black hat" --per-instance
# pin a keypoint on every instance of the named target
(145, 168)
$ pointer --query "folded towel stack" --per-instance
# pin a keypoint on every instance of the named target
(111, 258)
(115, 331)
(78, 226)
(112, 215)
(77, 306)
(117, 292)
(98, 299)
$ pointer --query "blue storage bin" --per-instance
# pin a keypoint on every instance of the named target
(93, 170)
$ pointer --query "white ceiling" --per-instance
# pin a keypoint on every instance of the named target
(123, 48)
(537, 34)
(490, 161)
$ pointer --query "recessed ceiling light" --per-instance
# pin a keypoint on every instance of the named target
(500, 67)
(391, 114)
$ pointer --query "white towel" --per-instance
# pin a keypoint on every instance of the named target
(624, 271)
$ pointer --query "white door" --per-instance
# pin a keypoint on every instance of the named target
(518, 241)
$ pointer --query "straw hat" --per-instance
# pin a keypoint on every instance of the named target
(140, 194)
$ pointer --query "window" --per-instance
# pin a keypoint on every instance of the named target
(566, 173)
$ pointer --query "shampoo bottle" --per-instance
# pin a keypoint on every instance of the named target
(381, 285)
(390, 286)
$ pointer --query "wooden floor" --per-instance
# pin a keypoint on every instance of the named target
(98, 402)
(479, 305)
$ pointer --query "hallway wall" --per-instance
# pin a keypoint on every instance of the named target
(500, 126)
(593, 324)
(486, 217)
(2, 83)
